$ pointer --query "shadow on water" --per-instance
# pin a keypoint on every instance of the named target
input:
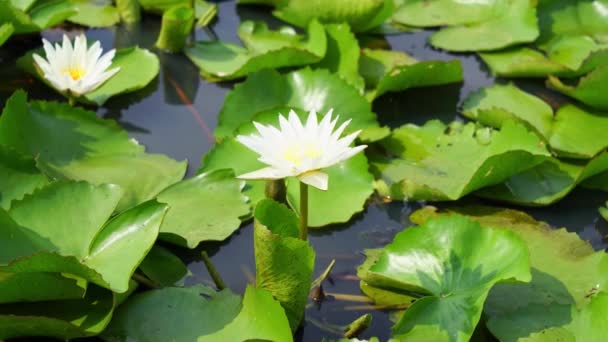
(176, 114)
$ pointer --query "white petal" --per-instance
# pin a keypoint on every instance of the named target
(317, 179)
(265, 173)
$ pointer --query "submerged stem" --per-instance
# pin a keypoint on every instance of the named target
(219, 283)
(303, 211)
(144, 281)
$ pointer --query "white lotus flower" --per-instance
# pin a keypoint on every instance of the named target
(77, 69)
(300, 151)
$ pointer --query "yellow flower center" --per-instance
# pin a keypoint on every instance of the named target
(75, 73)
(296, 153)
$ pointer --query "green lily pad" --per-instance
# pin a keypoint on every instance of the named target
(104, 253)
(424, 13)
(18, 176)
(6, 30)
(565, 270)
(95, 13)
(264, 49)
(438, 162)
(360, 16)
(391, 71)
(72, 143)
(586, 324)
(567, 132)
(166, 315)
(284, 263)
(138, 67)
(572, 18)
(30, 19)
(515, 25)
(588, 88)
(63, 319)
(38, 286)
(435, 260)
(163, 267)
(546, 183)
(305, 89)
(350, 185)
(342, 55)
(188, 222)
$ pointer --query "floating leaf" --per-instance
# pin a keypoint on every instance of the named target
(546, 183)
(587, 90)
(63, 319)
(515, 25)
(68, 235)
(304, 89)
(163, 267)
(264, 49)
(138, 67)
(572, 18)
(6, 30)
(436, 260)
(386, 70)
(30, 19)
(437, 162)
(18, 176)
(284, 263)
(360, 16)
(206, 207)
(38, 286)
(567, 132)
(72, 143)
(97, 13)
(565, 270)
(424, 13)
(166, 315)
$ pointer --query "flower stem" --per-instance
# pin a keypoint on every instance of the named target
(303, 211)
(219, 283)
(71, 101)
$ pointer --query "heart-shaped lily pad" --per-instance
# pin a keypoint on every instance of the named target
(97, 13)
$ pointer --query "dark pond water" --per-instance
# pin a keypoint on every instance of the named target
(177, 113)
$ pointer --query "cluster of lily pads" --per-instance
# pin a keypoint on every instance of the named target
(83, 205)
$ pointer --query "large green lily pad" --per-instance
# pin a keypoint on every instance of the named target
(425, 13)
(35, 17)
(69, 233)
(588, 90)
(306, 89)
(567, 132)
(572, 18)
(438, 162)
(18, 176)
(453, 263)
(167, 315)
(95, 13)
(284, 263)
(390, 71)
(516, 25)
(207, 207)
(138, 67)
(264, 49)
(72, 143)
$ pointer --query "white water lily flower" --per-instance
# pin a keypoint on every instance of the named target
(300, 150)
(77, 69)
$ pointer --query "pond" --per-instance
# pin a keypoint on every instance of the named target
(177, 113)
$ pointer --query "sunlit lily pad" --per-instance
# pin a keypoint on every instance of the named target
(284, 263)
(305, 89)
(425, 13)
(206, 207)
(138, 67)
(62, 319)
(35, 17)
(435, 261)
(264, 49)
(69, 233)
(72, 143)
(342, 55)
(439, 162)
(566, 271)
(515, 25)
(588, 90)
(361, 15)
(567, 132)
(95, 13)
(573, 18)
(387, 70)
(167, 315)
(18, 176)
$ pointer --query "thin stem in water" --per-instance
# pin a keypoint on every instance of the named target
(219, 283)
(72, 101)
(303, 211)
